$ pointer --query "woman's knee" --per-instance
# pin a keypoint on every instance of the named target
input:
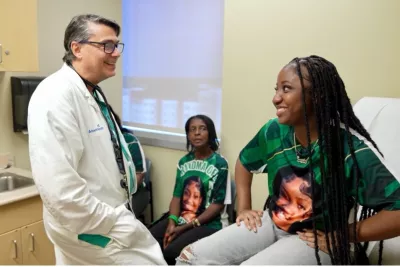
(186, 257)
(194, 255)
(189, 256)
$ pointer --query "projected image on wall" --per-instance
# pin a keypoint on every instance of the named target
(172, 62)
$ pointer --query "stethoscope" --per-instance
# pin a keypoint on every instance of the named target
(117, 146)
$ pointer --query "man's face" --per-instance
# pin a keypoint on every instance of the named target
(96, 62)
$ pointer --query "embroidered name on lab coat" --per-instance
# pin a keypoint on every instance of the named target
(98, 128)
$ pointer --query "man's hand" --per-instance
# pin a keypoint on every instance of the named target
(251, 218)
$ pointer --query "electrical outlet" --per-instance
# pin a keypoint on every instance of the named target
(11, 160)
(5, 160)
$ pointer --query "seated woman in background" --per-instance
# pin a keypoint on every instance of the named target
(199, 194)
(321, 162)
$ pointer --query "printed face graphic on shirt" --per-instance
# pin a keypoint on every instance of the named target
(192, 198)
(292, 192)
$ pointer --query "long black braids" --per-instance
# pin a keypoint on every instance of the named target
(311, 163)
(333, 109)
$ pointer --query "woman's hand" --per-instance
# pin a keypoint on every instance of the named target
(308, 236)
(251, 218)
(174, 234)
(170, 229)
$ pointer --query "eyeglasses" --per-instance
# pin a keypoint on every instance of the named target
(109, 47)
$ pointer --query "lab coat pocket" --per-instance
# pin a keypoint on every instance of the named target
(96, 240)
(126, 229)
(63, 237)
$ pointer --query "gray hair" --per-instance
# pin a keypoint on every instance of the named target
(78, 30)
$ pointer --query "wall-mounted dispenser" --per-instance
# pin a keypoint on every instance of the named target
(22, 89)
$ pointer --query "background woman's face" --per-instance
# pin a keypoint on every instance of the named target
(192, 197)
(198, 133)
(293, 204)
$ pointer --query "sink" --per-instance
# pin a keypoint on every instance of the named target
(10, 181)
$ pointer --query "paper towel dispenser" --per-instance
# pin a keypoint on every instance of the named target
(22, 89)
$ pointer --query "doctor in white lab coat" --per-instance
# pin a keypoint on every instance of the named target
(80, 161)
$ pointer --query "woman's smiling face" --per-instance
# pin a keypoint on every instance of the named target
(192, 197)
(293, 204)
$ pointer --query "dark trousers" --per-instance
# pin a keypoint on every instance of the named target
(173, 250)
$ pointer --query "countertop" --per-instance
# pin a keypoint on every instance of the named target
(18, 194)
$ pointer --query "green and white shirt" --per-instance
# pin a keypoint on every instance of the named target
(136, 152)
(126, 156)
(273, 151)
(199, 183)
(134, 147)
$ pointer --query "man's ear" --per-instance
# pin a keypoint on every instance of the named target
(76, 49)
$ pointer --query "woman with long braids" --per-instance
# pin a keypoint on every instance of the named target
(327, 164)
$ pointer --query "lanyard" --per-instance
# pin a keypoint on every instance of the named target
(116, 141)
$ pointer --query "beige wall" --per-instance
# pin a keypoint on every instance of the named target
(360, 37)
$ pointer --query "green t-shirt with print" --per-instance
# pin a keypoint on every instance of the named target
(199, 183)
(273, 151)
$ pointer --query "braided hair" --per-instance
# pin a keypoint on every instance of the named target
(332, 107)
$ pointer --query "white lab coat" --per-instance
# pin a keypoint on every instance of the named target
(75, 171)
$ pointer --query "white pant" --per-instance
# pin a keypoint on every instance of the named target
(131, 244)
(237, 245)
